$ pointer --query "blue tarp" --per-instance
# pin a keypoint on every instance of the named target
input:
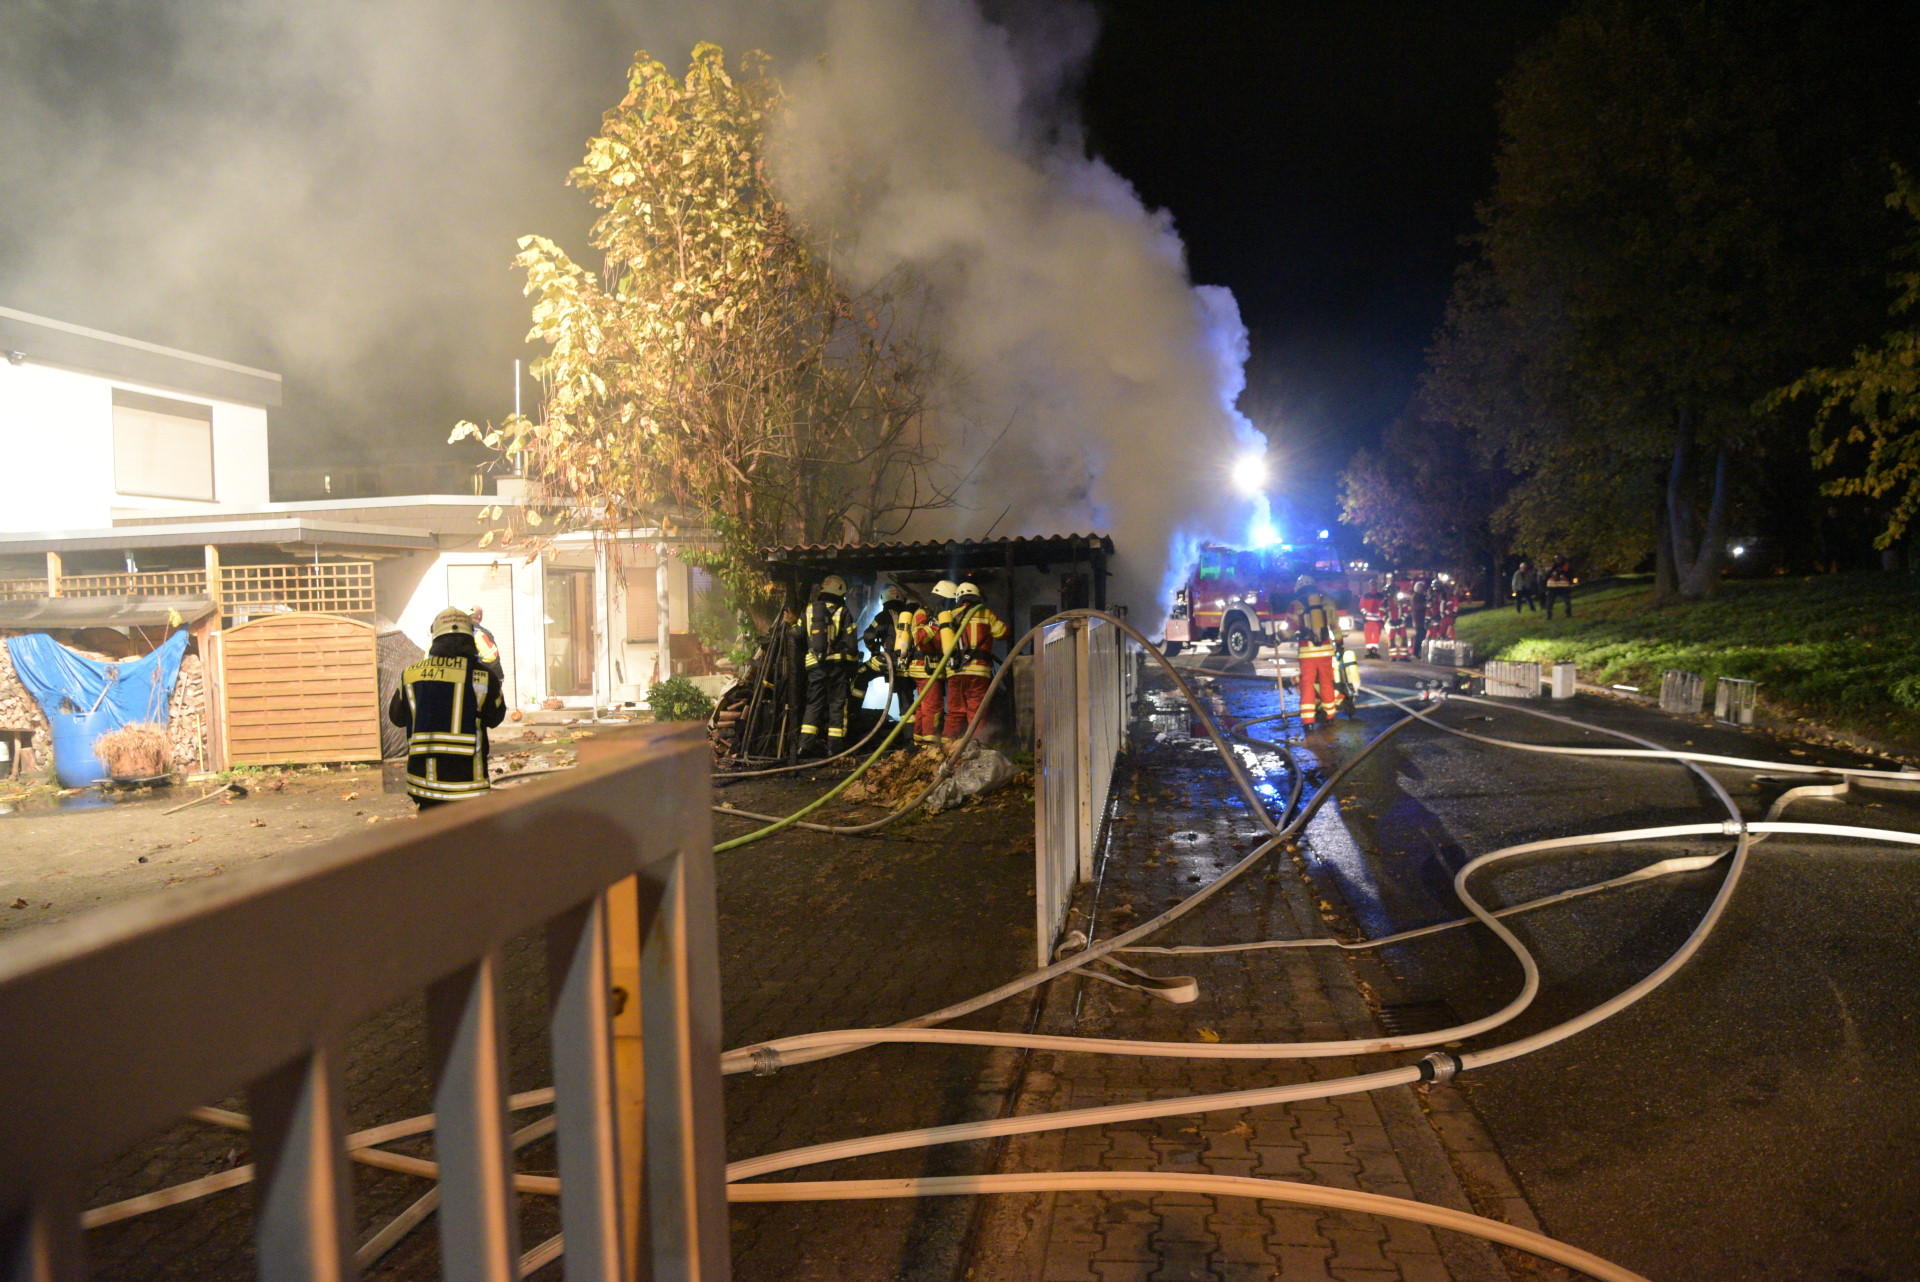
(85, 698)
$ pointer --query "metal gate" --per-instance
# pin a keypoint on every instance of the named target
(298, 688)
(1084, 683)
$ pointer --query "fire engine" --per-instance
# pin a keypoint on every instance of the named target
(1238, 599)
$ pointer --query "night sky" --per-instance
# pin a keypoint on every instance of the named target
(1323, 162)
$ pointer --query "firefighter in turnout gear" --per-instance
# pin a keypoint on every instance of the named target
(831, 659)
(1317, 625)
(889, 636)
(447, 701)
(1373, 612)
(1399, 624)
(926, 661)
(1445, 608)
(968, 631)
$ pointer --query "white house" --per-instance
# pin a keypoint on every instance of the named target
(94, 426)
(135, 470)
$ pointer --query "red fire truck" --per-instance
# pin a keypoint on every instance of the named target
(1238, 599)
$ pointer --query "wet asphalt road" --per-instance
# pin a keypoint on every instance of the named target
(1758, 1117)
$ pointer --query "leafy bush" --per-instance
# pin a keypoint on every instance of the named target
(678, 699)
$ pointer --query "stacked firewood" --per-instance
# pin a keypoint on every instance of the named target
(18, 710)
(187, 716)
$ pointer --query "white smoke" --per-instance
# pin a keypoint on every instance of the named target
(1064, 302)
(334, 190)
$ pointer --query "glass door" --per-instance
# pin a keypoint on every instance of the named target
(569, 621)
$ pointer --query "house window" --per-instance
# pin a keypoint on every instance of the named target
(162, 448)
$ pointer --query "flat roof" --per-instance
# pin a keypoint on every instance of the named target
(93, 351)
(103, 611)
(198, 532)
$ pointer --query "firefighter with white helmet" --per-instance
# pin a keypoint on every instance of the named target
(967, 632)
(927, 650)
(831, 659)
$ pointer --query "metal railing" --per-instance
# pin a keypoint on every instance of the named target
(1085, 681)
(119, 1022)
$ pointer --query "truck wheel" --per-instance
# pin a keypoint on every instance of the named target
(1237, 639)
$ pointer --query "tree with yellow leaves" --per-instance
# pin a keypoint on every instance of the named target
(717, 372)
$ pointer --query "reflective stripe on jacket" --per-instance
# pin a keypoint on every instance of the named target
(447, 701)
(969, 633)
(829, 631)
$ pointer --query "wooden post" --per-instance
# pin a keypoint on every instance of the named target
(53, 574)
(215, 588)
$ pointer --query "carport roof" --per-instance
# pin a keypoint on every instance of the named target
(945, 556)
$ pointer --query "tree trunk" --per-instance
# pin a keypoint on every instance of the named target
(1693, 563)
(1702, 578)
(1666, 583)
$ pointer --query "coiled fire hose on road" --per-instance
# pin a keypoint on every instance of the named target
(1436, 1066)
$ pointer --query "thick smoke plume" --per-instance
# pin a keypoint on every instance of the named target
(333, 190)
(934, 138)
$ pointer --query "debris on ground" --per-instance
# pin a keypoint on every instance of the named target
(897, 778)
(981, 770)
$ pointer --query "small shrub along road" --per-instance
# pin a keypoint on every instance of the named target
(1841, 650)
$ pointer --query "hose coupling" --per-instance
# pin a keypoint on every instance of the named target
(766, 1061)
(1438, 1067)
(1733, 827)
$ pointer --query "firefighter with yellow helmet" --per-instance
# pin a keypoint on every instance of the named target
(968, 631)
(927, 649)
(831, 659)
(446, 702)
(1317, 624)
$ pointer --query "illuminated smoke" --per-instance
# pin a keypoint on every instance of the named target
(1064, 302)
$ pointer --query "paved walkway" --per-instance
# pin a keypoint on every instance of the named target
(1175, 825)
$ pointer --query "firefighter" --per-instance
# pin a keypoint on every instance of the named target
(1317, 626)
(489, 648)
(1445, 609)
(1373, 611)
(890, 637)
(447, 701)
(830, 663)
(968, 632)
(927, 649)
(1399, 622)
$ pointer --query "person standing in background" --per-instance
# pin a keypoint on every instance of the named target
(1560, 583)
(447, 702)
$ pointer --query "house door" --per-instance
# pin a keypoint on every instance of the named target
(569, 632)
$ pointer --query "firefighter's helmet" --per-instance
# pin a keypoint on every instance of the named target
(968, 591)
(452, 619)
(946, 589)
(834, 585)
(1306, 581)
(894, 592)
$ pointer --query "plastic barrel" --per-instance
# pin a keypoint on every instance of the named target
(73, 757)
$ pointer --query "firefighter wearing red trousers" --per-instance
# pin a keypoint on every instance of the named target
(1399, 624)
(926, 659)
(1444, 609)
(1317, 625)
(831, 660)
(968, 631)
(1373, 612)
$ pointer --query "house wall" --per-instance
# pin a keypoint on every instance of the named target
(56, 434)
(412, 589)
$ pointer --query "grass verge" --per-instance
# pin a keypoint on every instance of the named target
(1842, 651)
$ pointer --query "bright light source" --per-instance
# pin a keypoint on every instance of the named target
(1262, 533)
(1739, 550)
(1250, 473)
(1324, 534)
